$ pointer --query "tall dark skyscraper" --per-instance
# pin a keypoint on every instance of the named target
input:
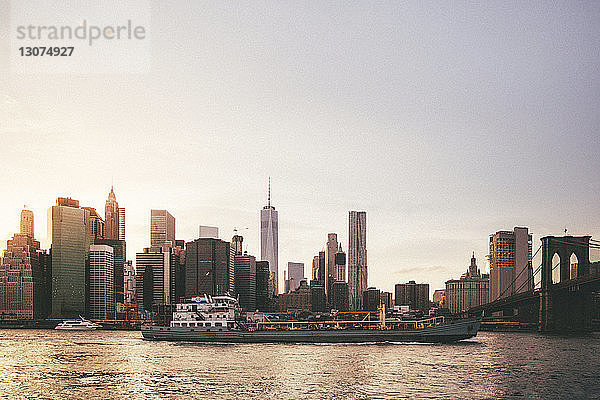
(69, 229)
(111, 216)
(269, 241)
(262, 286)
(245, 281)
(207, 267)
(357, 258)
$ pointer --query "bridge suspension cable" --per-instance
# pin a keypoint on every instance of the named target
(517, 277)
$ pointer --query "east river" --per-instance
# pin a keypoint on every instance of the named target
(37, 364)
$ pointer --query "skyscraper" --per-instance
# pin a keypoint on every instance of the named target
(27, 223)
(102, 305)
(262, 286)
(510, 263)
(245, 281)
(340, 265)
(129, 283)
(69, 228)
(162, 229)
(122, 223)
(415, 295)
(119, 251)
(155, 273)
(269, 239)
(111, 216)
(22, 280)
(295, 274)
(330, 250)
(357, 258)
(96, 225)
(207, 267)
(472, 289)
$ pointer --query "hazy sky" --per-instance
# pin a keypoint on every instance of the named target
(444, 121)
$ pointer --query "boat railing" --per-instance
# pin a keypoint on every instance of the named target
(387, 324)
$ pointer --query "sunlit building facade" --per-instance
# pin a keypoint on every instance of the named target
(357, 258)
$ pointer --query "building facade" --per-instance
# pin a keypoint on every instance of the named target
(412, 294)
(296, 300)
(371, 299)
(208, 232)
(111, 216)
(331, 248)
(129, 283)
(269, 241)
(472, 289)
(155, 277)
(510, 263)
(340, 265)
(27, 225)
(340, 296)
(69, 230)
(208, 267)
(96, 225)
(162, 229)
(102, 296)
(119, 251)
(23, 290)
(262, 286)
(122, 224)
(357, 258)
(245, 281)
(295, 274)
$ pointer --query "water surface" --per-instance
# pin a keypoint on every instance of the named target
(120, 365)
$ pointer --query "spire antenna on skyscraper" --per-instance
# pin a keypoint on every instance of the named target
(269, 194)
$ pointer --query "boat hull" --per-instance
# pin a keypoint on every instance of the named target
(444, 333)
(75, 329)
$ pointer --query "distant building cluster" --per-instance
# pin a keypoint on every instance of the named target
(86, 271)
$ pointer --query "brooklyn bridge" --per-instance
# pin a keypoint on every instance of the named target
(563, 299)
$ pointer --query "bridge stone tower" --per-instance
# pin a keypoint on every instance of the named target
(552, 311)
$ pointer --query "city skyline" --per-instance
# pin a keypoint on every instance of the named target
(384, 284)
(445, 123)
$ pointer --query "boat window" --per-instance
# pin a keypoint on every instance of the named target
(218, 324)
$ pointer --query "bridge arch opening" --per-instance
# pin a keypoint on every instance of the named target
(573, 264)
(555, 269)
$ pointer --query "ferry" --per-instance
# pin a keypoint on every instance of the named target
(218, 319)
(80, 324)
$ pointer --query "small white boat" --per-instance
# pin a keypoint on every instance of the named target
(80, 324)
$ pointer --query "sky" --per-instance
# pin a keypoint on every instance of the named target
(444, 121)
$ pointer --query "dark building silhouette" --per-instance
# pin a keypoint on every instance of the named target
(371, 299)
(262, 286)
(207, 262)
(387, 300)
(340, 296)
(318, 299)
(415, 295)
(340, 265)
(245, 281)
(296, 300)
